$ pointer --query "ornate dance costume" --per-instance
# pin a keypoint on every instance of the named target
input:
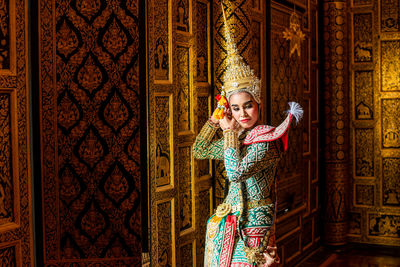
(251, 159)
(241, 232)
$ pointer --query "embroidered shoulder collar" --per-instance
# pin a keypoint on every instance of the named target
(266, 133)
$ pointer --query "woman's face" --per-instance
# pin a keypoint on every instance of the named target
(244, 109)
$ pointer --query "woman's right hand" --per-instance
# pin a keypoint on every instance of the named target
(213, 119)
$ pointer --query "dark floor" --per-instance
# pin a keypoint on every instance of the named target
(354, 255)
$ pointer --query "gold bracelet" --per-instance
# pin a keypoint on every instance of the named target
(231, 139)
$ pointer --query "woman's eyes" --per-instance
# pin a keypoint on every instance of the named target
(245, 107)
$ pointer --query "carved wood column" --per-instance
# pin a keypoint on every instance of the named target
(336, 111)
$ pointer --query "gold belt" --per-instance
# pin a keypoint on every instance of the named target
(259, 203)
(254, 204)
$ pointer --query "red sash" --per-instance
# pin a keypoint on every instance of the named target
(228, 242)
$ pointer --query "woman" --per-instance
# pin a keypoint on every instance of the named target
(241, 232)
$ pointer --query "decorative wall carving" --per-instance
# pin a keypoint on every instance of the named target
(384, 225)
(189, 89)
(364, 194)
(6, 161)
(203, 115)
(376, 125)
(390, 123)
(202, 26)
(187, 255)
(256, 47)
(5, 34)
(205, 199)
(256, 4)
(182, 18)
(161, 19)
(164, 152)
(364, 95)
(90, 131)
(391, 182)
(185, 189)
(184, 88)
(287, 73)
(16, 230)
(389, 15)
(390, 65)
(364, 150)
(165, 234)
(362, 27)
(8, 257)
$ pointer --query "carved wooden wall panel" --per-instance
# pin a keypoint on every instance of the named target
(90, 102)
(7, 212)
(294, 78)
(16, 231)
(179, 105)
(375, 99)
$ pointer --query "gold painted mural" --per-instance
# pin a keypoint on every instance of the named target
(165, 234)
(390, 65)
(364, 95)
(182, 79)
(202, 40)
(384, 225)
(179, 94)
(164, 152)
(185, 189)
(160, 15)
(362, 37)
(364, 151)
(391, 182)
(365, 195)
(375, 125)
(389, 15)
(390, 123)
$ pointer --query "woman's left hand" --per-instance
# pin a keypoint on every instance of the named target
(228, 123)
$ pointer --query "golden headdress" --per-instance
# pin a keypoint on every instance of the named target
(238, 75)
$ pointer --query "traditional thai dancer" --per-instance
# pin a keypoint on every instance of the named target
(241, 232)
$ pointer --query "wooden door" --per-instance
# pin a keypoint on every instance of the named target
(179, 91)
(16, 235)
(90, 132)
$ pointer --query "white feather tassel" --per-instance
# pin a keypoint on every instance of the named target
(296, 110)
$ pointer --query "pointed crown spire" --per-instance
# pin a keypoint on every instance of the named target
(239, 77)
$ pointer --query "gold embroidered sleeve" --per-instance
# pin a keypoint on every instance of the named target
(204, 147)
(231, 139)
